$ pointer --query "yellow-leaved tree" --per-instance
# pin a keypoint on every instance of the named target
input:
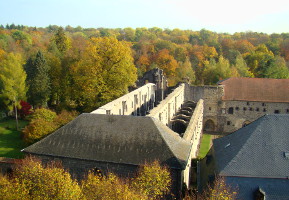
(32, 180)
(153, 180)
(104, 73)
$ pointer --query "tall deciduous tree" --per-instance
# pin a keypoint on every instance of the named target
(259, 60)
(276, 69)
(242, 68)
(166, 62)
(38, 80)
(104, 73)
(215, 71)
(12, 81)
(153, 180)
(185, 72)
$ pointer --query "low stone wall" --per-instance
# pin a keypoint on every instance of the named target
(169, 106)
(7, 164)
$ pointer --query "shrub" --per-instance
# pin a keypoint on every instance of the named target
(64, 117)
(108, 187)
(44, 122)
(43, 113)
(50, 182)
(37, 129)
(25, 109)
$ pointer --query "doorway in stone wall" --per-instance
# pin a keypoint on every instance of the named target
(209, 125)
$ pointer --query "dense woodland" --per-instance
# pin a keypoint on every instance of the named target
(83, 68)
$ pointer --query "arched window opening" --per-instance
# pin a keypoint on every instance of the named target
(179, 127)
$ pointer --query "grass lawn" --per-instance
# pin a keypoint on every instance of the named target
(205, 145)
(10, 141)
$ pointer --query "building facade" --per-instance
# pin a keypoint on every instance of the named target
(236, 102)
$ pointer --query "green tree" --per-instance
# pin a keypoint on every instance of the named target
(38, 80)
(43, 113)
(61, 40)
(276, 69)
(104, 72)
(242, 67)
(215, 71)
(185, 72)
(259, 60)
(12, 82)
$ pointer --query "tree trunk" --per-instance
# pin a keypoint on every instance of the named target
(16, 117)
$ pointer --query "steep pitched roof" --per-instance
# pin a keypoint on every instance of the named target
(257, 150)
(256, 89)
(117, 139)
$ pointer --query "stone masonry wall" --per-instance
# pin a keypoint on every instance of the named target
(228, 116)
(169, 106)
(137, 102)
(240, 113)
(193, 135)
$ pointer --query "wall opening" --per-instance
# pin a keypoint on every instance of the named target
(246, 123)
(209, 125)
(231, 110)
(179, 127)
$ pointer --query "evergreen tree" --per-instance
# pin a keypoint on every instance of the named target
(38, 80)
(61, 40)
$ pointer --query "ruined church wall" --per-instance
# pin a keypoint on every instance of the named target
(193, 135)
(141, 99)
(194, 129)
(168, 107)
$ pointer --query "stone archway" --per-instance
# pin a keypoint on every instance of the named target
(246, 123)
(179, 126)
(209, 125)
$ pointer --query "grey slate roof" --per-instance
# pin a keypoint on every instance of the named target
(256, 150)
(274, 189)
(117, 139)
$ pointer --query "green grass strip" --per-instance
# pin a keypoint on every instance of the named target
(205, 145)
(10, 139)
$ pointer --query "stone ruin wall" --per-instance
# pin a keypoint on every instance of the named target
(168, 107)
(137, 102)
